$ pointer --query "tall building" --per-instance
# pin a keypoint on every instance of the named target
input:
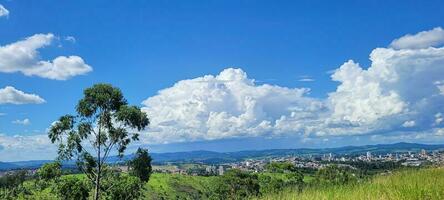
(369, 155)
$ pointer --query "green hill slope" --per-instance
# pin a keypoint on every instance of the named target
(405, 185)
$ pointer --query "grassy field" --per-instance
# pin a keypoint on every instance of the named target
(425, 184)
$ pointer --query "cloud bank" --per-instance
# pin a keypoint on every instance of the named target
(402, 90)
(399, 97)
(17, 147)
(10, 95)
(23, 57)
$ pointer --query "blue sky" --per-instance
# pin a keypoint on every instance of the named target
(144, 47)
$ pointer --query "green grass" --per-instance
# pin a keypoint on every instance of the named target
(425, 184)
(176, 186)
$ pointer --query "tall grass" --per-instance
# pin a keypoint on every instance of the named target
(424, 184)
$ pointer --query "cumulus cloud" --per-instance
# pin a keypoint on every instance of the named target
(399, 89)
(10, 95)
(3, 11)
(227, 105)
(420, 40)
(24, 122)
(23, 56)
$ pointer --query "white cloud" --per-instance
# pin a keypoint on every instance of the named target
(10, 95)
(439, 132)
(438, 118)
(398, 88)
(408, 124)
(440, 86)
(360, 98)
(227, 105)
(398, 84)
(70, 39)
(22, 56)
(420, 40)
(3, 11)
(306, 80)
(24, 122)
(18, 147)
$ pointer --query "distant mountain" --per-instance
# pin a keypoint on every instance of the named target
(211, 157)
(5, 166)
(216, 157)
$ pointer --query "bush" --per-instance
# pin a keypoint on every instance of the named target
(335, 175)
(121, 187)
(236, 184)
(72, 188)
(50, 171)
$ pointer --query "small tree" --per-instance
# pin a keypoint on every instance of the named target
(50, 171)
(103, 119)
(141, 165)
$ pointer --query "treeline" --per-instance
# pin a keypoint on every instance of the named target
(49, 182)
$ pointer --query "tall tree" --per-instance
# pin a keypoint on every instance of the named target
(104, 123)
(141, 165)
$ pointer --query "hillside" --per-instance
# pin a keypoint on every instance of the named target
(210, 157)
(404, 185)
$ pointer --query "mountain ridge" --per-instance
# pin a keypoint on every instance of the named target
(213, 157)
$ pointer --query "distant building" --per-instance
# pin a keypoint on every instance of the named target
(423, 152)
(369, 155)
(221, 170)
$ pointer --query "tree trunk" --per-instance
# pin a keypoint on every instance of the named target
(99, 169)
(97, 192)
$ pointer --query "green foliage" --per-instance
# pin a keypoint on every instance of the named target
(275, 182)
(281, 167)
(106, 121)
(236, 184)
(50, 171)
(121, 187)
(335, 175)
(72, 188)
(141, 165)
(177, 186)
(13, 179)
(280, 175)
